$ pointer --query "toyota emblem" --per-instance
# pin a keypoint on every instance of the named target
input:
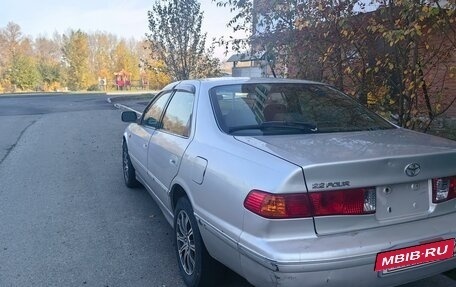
(412, 169)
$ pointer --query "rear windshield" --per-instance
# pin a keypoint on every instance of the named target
(269, 109)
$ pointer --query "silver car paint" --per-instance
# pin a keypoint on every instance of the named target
(372, 158)
(218, 170)
(138, 140)
(226, 183)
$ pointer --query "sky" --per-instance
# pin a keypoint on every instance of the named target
(124, 18)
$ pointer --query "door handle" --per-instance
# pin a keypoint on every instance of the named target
(144, 145)
(172, 161)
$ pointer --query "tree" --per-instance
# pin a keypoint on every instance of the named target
(419, 40)
(396, 59)
(126, 59)
(11, 37)
(17, 67)
(208, 66)
(76, 58)
(154, 74)
(23, 73)
(48, 55)
(176, 36)
(102, 55)
(243, 21)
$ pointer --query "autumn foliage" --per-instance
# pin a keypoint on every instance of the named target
(397, 57)
(178, 41)
(74, 61)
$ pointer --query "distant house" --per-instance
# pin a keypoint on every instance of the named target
(249, 65)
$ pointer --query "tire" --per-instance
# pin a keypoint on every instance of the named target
(129, 172)
(196, 266)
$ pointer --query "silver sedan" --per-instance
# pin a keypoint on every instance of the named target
(292, 183)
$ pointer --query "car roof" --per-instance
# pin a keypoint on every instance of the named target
(210, 82)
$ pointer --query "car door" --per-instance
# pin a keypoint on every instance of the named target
(141, 133)
(167, 145)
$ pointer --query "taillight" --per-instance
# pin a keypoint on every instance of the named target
(443, 189)
(269, 205)
(344, 202)
(299, 205)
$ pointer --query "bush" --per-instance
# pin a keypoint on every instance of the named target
(93, 88)
(5, 86)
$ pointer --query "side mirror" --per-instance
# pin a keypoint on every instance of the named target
(129, 117)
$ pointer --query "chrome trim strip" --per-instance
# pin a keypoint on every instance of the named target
(158, 182)
(137, 161)
(150, 174)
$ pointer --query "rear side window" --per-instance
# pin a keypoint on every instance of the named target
(178, 115)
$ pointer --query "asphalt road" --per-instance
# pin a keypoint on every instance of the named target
(66, 218)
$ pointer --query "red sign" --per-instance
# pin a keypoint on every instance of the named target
(415, 255)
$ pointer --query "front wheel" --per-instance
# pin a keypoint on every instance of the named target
(129, 172)
(196, 266)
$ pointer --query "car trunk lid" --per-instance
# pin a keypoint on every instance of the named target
(398, 163)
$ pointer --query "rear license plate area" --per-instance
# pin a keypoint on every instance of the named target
(402, 200)
(396, 260)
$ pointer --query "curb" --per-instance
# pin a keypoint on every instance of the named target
(135, 93)
(123, 107)
(118, 98)
(48, 94)
(113, 100)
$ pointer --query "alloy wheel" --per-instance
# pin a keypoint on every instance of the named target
(125, 163)
(185, 242)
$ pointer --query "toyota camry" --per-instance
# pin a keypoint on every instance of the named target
(292, 183)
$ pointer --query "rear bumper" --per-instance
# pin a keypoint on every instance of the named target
(344, 259)
(362, 275)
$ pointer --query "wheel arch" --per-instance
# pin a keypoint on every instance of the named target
(177, 192)
(124, 138)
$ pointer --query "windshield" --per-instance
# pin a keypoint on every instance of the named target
(277, 108)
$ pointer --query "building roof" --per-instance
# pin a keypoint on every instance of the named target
(245, 57)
